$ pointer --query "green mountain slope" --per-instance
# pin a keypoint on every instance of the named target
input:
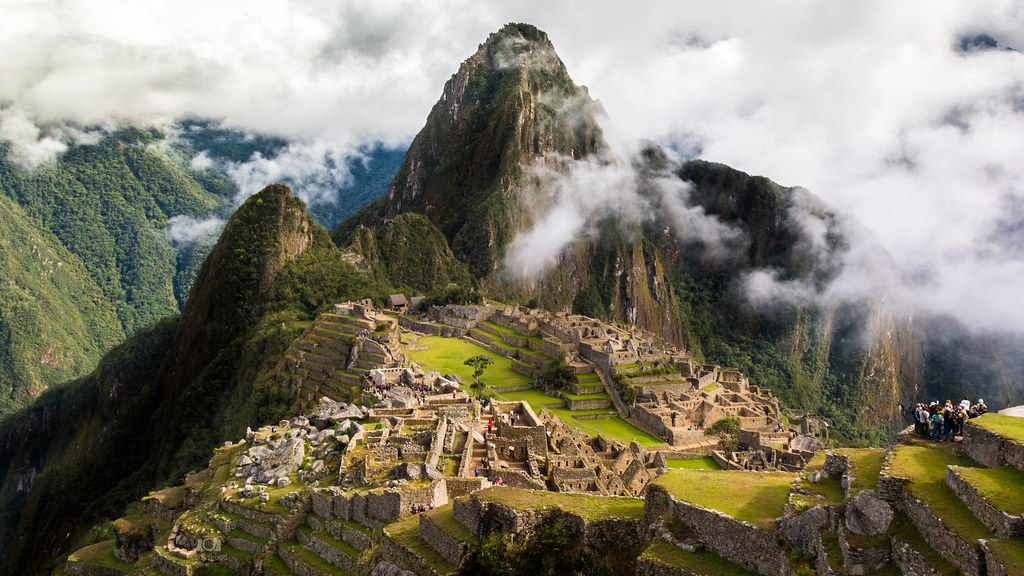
(158, 404)
(88, 258)
(54, 320)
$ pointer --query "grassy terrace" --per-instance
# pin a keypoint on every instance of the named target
(1009, 553)
(1003, 487)
(830, 489)
(596, 396)
(406, 533)
(1011, 427)
(443, 518)
(584, 505)
(924, 464)
(865, 466)
(704, 463)
(102, 554)
(755, 497)
(699, 562)
(511, 332)
(448, 355)
(903, 529)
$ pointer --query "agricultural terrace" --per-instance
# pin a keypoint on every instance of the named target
(755, 497)
(448, 354)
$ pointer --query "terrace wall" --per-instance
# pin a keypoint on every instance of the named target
(992, 449)
(736, 541)
(968, 557)
(1003, 524)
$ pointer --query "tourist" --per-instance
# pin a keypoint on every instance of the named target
(949, 422)
(965, 404)
(982, 408)
(937, 423)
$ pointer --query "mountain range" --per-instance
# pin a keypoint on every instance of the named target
(512, 190)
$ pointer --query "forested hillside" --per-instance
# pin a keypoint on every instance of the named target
(95, 249)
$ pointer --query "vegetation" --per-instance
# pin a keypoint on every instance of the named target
(1009, 426)
(755, 497)
(479, 363)
(558, 375)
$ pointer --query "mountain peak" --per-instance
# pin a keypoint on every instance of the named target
(509, 105)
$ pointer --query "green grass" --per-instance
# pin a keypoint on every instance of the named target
(590, 377)
(448, 355)
(710, 387)
(1003, 487)
(1009, 553)
(596, 396)
(866, 465)
(406, 533)
(443, 518)
(703, 463)
(903, 529)
(102, 554)
(1011, 427)
(586, 506)
(924, 464)
(755, 497)
(699, 562)
(612, 428)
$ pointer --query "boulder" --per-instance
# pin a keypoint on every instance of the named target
(867, 514)
(407, 471)
(803, 531)
(267, 465)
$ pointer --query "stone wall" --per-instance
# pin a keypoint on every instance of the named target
(1003, 524)
(591, 404)
(992, 566)
(451, 549)
(649, 567)
(468, 512)
(910, 561)
(431, 329)
(991, 449)
(459, 487)
(76, 568)
(330, 553)
(968, 557)
(403, 557)
(515, 479)
(736, 541)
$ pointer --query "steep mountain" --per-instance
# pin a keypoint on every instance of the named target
(88, 255)
(157, 405)
(733, 267)
(510, 102)
(408, 251)
(54, 320)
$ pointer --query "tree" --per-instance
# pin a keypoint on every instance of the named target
(558, 375)
(725, 429)
(479, 363)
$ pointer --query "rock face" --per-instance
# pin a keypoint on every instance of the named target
(803, 531)
(329, 413)
(268, 465)
(868, 515)
(509, 103)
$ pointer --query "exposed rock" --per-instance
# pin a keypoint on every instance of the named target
(269, 465)
(385, 568)
(407, 471)
(814, 477)
(803, 530)
(867, 514)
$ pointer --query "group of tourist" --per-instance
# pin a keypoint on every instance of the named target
(421, 508)
(944, 422)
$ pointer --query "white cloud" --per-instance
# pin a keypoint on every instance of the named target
(867, 104)
(184, 230)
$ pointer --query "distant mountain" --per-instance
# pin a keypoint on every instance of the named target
(108, 238)
(510, 126)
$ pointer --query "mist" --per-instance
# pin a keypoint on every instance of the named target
(881, 109)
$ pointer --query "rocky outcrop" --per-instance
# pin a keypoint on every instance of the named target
(868, 515)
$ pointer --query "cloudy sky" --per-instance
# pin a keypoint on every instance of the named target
(871, 105)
